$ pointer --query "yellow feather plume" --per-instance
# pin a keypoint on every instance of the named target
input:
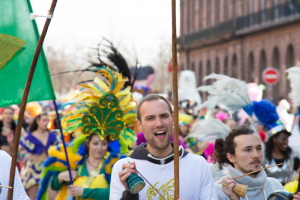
(93, 91)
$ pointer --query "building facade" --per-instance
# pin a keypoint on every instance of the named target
(240, 38)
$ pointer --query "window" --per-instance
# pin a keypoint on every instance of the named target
(251, 12)
(208, 72)
(200, 14)
(289, 62)
(234, 67)
(208, 13)
(262, 10)
(251, 69)
(200, 75)
(217, 11)
(226, 66)
(217, 68)
(276, 65)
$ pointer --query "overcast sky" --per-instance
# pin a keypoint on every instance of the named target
(135, 25)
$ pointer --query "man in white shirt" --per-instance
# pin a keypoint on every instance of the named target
(19, 192)
(155, 160)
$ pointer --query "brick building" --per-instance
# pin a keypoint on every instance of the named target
(240, 38)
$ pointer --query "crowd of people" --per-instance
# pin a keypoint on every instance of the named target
(113, 138)
(240, 152)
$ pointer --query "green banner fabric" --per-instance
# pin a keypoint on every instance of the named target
(15, 21)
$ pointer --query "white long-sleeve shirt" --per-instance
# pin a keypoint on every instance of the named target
(195, 179)
(19, 192)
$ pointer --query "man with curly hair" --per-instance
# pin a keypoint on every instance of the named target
(241, 152)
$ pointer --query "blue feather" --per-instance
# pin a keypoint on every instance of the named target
(63, 162)
(265, 112)
(82, 150)
(114, 146)
(108, 162)
(49, 161)
(44, 183)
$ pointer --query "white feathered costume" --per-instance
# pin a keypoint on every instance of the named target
(294, 76)
(187, 89)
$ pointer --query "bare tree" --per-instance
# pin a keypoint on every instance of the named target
(59, 61)
(163, 79)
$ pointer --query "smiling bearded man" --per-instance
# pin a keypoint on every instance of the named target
(155, 160)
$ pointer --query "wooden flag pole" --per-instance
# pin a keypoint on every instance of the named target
(175, 98)
(24, 100)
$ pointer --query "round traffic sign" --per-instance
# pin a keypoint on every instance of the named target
(270, 76)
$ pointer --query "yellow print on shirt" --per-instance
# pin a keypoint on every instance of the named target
(167, 190)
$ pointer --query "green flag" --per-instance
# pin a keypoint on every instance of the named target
(15, 21)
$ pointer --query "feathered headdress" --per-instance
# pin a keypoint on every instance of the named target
(230, 92)
(101, 107)
(119, 63)
(209, 130)
(266, 114)
(185, 119)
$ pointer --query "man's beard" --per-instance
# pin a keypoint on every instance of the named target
(153, 144)
(249, 171)
(255, 173)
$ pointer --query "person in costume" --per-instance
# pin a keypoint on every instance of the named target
(209, 130)
(32, 110)
(186, 126)
(95, 149)
(241, 152)
(285, 116)
(206, 132)
(277, 150)
(185, 122)
(99, 120)
(188, 96)
(36, 144)
(154, 160)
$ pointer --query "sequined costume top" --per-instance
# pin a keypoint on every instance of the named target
(34, 146)
(283, 173)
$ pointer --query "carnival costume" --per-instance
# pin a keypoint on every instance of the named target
(184, 120)
(188, 96)
(105, 108)
(266, 113)
(209, 130)
(294, 76)
(32, 173)
(226, 91)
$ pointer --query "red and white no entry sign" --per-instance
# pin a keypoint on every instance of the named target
(270, 76)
